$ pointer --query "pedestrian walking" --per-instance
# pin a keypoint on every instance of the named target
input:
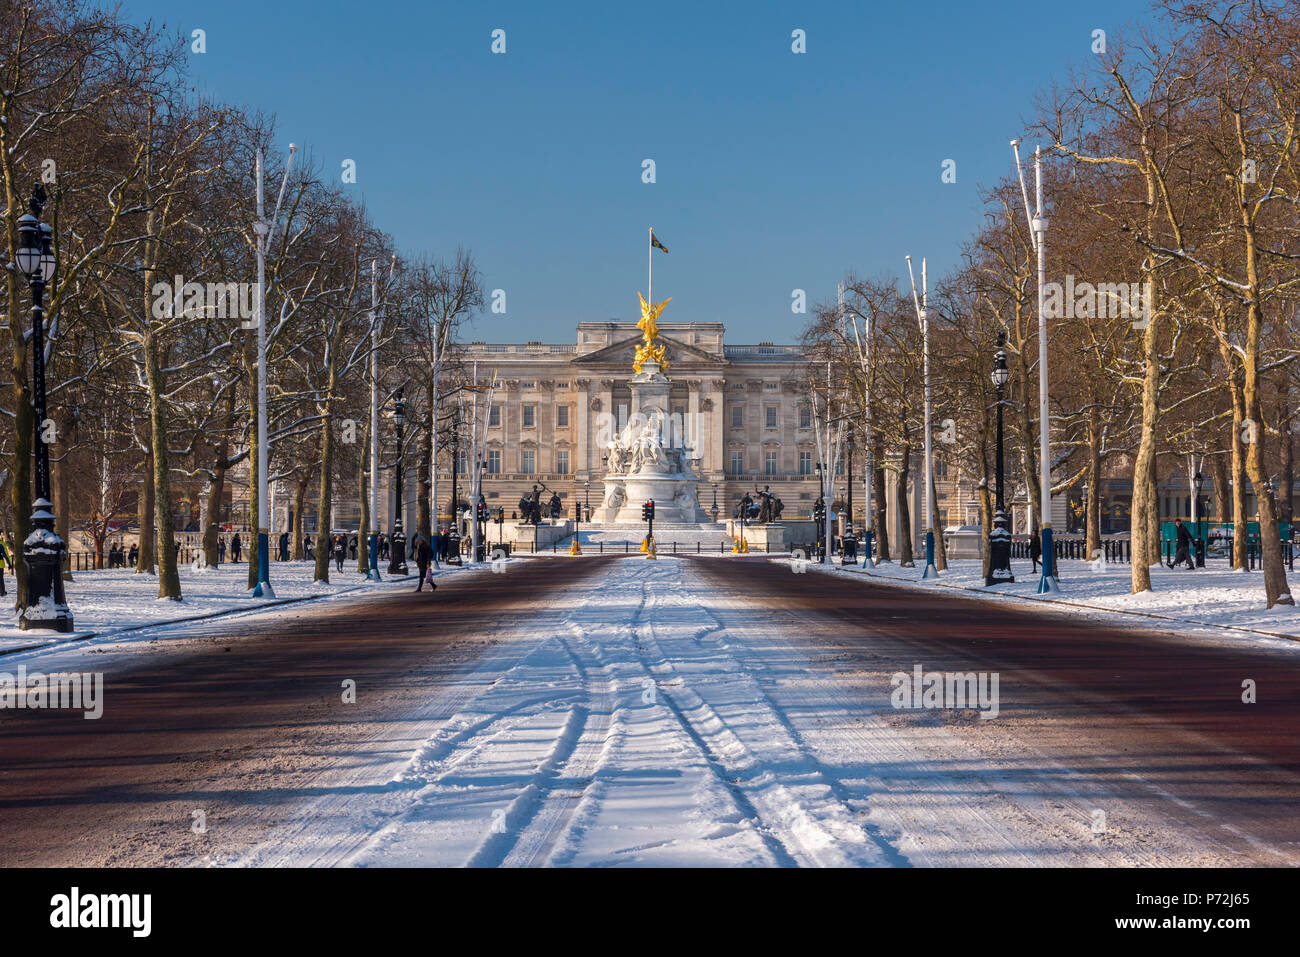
(340, 552)
(352, 547)
(134, 554)
(423, 555)
(1183, 546)
(4, 563)
(307, 549)
(284, 546)
(221, 550)
(1035, 549)
(236, 548)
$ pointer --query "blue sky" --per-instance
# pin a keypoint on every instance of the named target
(774, 170)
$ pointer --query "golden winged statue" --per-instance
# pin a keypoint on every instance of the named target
(650, 348)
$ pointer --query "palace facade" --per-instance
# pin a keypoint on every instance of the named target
(740, 410)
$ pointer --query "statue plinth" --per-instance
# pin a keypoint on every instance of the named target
(650, 459)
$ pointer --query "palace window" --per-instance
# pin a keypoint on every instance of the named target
(805, 418)
(561, 416)
(770, 417)
(494, 417)
(769, 463)
(805, 463)
(737, 463)
(737, 416)
(562, 460)
(494, 462)
(528, 462)
(530, 417)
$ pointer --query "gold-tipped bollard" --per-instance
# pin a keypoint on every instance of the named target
(648, 546)
(575, 548)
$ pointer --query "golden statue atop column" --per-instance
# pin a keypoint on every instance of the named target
(650, 348)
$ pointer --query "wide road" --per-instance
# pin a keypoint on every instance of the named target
(687, 711)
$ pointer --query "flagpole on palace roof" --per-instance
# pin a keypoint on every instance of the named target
(650, 283)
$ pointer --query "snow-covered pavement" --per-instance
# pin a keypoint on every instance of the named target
(108, 601)
(1214, 596)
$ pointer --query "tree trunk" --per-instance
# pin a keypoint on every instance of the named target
(63, 521)
(1219, 470)
(145, 561)
(1239, 517)
(1287, 450)
(880, 506)
(299, 509)
(425, 517)
(324, 510)
(905, 545)
(169, 581)
(1276, 591)
(1144, 505)
(1092, 520)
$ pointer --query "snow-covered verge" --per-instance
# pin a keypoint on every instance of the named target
(109, 601)
(1214, 596)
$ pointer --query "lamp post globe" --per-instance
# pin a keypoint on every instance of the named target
(1000, 535)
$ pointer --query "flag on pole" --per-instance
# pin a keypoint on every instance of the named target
(655, 243)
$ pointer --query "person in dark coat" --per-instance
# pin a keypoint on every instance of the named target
(307, 550)
(284, 546)
(236, 548)
(221, 550)
(1183, 546)
(352, 547)
(423, 555)
(1035, 548)
(134, 554)
(340, 551)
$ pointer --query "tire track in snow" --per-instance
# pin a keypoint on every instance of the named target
(830, 835)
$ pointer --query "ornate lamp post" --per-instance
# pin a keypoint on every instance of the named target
(714, 509)
(43, 549)
(1000, 535)
(397, 549)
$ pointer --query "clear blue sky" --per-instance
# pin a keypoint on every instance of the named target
(775, 170)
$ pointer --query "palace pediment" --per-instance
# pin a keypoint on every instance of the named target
(621, 354)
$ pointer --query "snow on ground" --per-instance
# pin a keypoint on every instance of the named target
(109, 601)
(1214, 596)
(647, 718)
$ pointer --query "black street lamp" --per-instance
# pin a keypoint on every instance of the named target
(714, 509)
(43, 551)
(1000, 535)
(397, 544)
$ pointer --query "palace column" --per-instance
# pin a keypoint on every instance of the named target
(583, 469)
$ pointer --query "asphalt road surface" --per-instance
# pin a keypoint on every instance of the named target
(210, 741)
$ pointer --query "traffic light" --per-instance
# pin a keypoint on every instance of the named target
(819, 510)
(648, 511)
(501, 515)
(482, 513)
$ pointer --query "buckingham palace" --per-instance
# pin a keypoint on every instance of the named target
(742, 411)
